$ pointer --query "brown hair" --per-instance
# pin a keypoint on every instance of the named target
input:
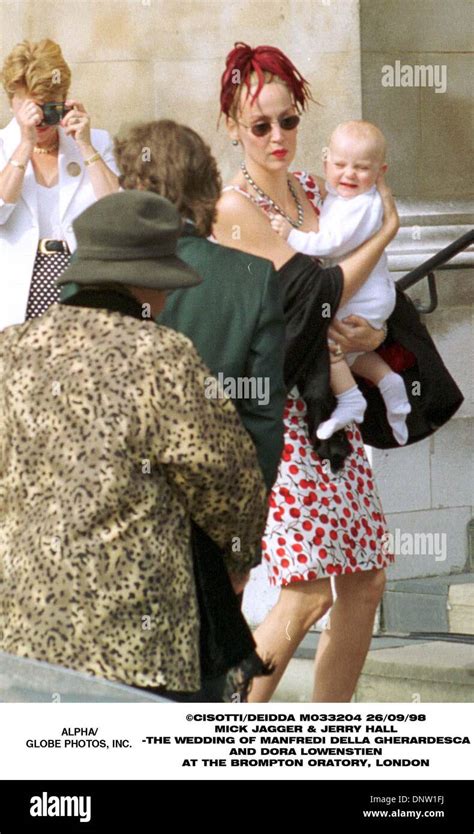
(40, 67)
(172, 160)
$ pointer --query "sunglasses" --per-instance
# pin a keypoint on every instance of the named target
(263, 128)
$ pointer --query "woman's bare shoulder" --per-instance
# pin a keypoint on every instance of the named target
(232, 195)
(241, 224)
(234, 201)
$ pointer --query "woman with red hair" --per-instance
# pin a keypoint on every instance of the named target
(325, 516)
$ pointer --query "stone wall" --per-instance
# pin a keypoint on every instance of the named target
(428, 488)
(148, 59)
(429, 133)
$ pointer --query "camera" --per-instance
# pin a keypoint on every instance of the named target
(53, 112)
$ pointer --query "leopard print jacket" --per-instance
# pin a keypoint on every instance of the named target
(108, 446)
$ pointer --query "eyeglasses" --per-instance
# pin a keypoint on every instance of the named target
(264, 127)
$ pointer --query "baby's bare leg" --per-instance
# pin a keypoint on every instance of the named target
(371, 366)
(392, 388)
(351, 404)
(340, 376)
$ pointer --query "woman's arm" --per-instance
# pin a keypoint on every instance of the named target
(11, 178)
(77, 124)
(242, 225)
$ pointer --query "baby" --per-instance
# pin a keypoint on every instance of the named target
(351, 213)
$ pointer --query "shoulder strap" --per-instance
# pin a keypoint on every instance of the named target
(244, 194)
(236, 188)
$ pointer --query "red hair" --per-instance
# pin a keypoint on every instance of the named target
(243, 61)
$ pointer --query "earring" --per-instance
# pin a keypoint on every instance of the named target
(235, 141)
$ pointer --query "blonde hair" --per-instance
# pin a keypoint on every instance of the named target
(40, 68)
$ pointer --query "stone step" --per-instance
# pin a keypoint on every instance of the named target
(414, 245)
(436, 212)
(430, 604)
(406, 261)
(426, 237)
(400, 671)
(428, 672)
(428, 227)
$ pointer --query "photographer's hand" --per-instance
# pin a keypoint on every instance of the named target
(77, 123)
(29, 115)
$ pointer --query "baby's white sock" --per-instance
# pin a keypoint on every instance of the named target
(393, 391)
(350, 407)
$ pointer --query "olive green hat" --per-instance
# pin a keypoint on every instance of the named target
(129, 238)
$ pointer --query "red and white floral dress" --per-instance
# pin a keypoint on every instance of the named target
(320, 523)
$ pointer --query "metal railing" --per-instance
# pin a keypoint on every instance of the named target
(439, 261)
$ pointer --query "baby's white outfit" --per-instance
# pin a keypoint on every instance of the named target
(344, 224)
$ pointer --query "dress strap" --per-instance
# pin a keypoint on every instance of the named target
(240, 190)
(311, 189)
(236, 188)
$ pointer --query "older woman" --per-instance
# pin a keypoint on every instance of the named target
(236, 322)
(235, 318)
(321, 524)
(52, 167)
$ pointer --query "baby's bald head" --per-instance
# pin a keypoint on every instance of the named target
(365, 134)
(355, 157)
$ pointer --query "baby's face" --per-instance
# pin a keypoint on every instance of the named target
(352, 165)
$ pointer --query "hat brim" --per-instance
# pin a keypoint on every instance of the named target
(165, 273)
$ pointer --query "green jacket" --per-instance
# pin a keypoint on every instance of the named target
(235, 320)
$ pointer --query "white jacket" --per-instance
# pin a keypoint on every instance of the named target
(19, 230)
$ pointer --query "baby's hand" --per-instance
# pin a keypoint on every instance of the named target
(280, 225)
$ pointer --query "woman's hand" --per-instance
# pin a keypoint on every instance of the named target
(239, 581)
(77, 124)
(29, 115)
(391, 220)
(354, 334)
